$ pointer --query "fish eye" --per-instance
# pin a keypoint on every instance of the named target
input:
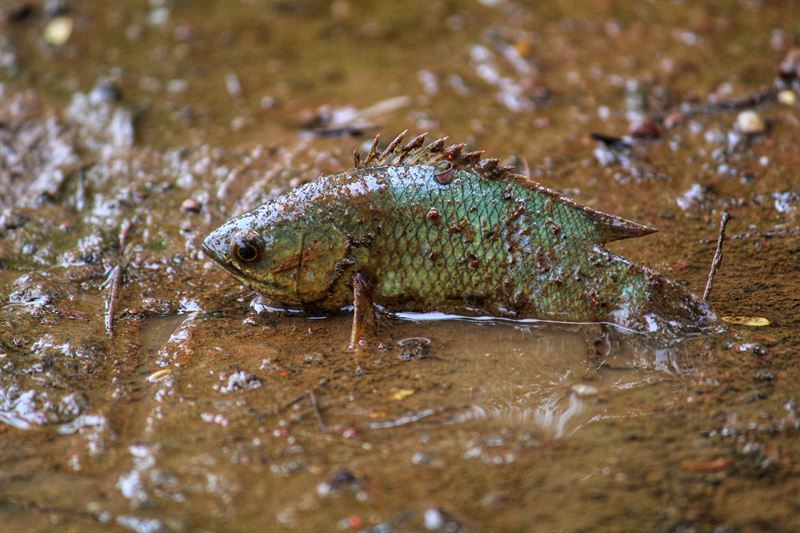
(246, 249)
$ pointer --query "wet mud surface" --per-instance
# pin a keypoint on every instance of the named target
(142, 388)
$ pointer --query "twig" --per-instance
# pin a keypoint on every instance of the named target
(297, 399)
(115, 279)
(761, 96)
(766, 234)
(317, 412)
(717, 255)
(123, 237)
(415, 416)
(406, 419)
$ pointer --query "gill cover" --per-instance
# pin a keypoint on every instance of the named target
(324, 255)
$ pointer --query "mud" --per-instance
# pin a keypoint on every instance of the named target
(183, 403)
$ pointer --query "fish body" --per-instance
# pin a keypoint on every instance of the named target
(433, 229)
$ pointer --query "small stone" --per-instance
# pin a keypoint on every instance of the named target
(177, 86)
(351, 522)
(789, 67)
(787, 97)
(341, 479)
(645, 129)
(421, 458)
(268, 102)
(584, 391)
(434, 519)
(58, 31)
(233, 85)
(750, 122)
(493, 499)
(190, 205)
(106, 91)
(764, 375)
(673, 119)
(158, 16)
(753, 347)
(350, 433)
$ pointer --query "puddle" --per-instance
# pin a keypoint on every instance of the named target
(550, 378)
(153, 122)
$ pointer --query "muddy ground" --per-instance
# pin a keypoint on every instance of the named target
(142, 388)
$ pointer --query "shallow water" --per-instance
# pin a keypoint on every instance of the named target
(196, 412)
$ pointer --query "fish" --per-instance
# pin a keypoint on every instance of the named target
(421, 228)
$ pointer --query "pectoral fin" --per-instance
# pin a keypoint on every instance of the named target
(362, 313)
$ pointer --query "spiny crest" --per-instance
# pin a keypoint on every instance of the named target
(414, 153)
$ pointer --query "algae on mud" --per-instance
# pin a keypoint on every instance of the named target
(502, 431)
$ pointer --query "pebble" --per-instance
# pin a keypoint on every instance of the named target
(190, 205)
(351, 522)
(764, 375)
(644, 129)
(58, 31)
(787, 97)
(350, 433)
(674, 119)
(583, 390)
(341, 479)
(158, 16)
(754, 347)
(233, 85)
(106, 91)
(434, 519)
(268, 102)
(750, 122)
(421, 458)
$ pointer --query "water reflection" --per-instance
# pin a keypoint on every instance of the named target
(553, 378)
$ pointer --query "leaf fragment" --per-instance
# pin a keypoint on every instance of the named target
(752, 321)
(715, 465)
(402, 393)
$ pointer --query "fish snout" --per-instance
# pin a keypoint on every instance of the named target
(216, 246)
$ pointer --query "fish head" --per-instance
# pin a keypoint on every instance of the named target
(292, 259)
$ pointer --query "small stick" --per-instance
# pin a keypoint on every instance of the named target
(297, 399)
(116, 279)
(717, 255)
(406, 419)
(317, 412)
(415, 416)
(123, 236)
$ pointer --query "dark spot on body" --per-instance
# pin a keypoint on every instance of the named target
(469, 235)
(541, 260)
(552, 227)
(433, 214)
(459, 226)
(518, 212)
(594, 297)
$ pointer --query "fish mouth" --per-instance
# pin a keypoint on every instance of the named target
(213, 254)
(213, 251)
(220, 259)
